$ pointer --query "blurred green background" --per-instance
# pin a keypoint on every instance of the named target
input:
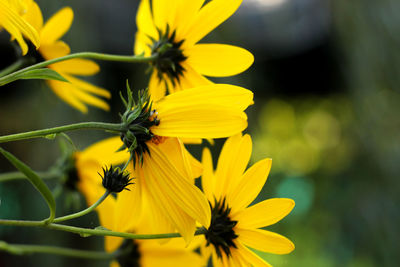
(326, 83)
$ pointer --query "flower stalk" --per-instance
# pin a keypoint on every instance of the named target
(17, 249)
(112, 127)
(83, 212)
(86, 232)
(92, 55)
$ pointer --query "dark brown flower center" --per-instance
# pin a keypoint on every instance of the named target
(130, 254)
(220, 233)
(169, 55)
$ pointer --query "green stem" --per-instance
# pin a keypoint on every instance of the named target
(10, 176)
(91, 55)
(115, 127)
(127, 163)
(76, 253)
(85, 232)
(16, 65)
(83, 212)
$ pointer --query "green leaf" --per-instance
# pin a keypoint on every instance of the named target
(36, 181)
(43, 73)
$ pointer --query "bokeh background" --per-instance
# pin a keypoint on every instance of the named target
(326, 83)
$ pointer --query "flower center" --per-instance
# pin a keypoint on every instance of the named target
(220, 233)
(72, 179)
(130, 256)
(169, 55)
(138, 119)
(34, 54)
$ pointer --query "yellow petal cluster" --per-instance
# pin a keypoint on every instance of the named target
(76, 92)
(165, 179)
(190, 21)
(12, 20)
(239, 187)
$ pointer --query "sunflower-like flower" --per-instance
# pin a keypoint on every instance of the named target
(12, 21)
(164, 170)
(171, 29)
(235, 226)
(144, 253)
(164, 176)
(76, 92)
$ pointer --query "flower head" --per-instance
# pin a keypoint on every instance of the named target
(170, 31)
(11, 19)
(75, 92)
(235, 226)
(164, 180)
(115, 180)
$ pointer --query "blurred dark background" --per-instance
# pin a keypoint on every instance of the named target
(326, 87)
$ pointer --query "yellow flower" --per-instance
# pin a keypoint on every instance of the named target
(76, 92)
(172, 29)
(164, 178)
(145, 253)
(235, 226)
(12, 21)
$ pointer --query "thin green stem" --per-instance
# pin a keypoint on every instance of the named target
(83, 212)
(127, 163)
(16, 65)
(11, 176)
(85, 232)
(115, 127)
(91, 55)
(75, 253)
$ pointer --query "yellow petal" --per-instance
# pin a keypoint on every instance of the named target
(141, 44)
(165, 256)
(250, 257)
(265, 241)
(114, 263)
(65, 92)
(34, 16)
(88, 98)
(112, 243)
(192, 141)
(87, 87)
(106, 212)
(232, 162)
(185, 13)
(57, 25)
(218, 60)
(77, 66)
(272, 211)
(209, 17)
(144, 20)
(157, 88)
(250, 185)
(105, 152)
(181, 158)
(130, 203)
(205, 112)
(201, 120)
(208, 179)
(17, 26)
(161, 10)
(191, 78)
(182, 197)
(74, 95)
(219, 94)
(54, 50)
(165, 205)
